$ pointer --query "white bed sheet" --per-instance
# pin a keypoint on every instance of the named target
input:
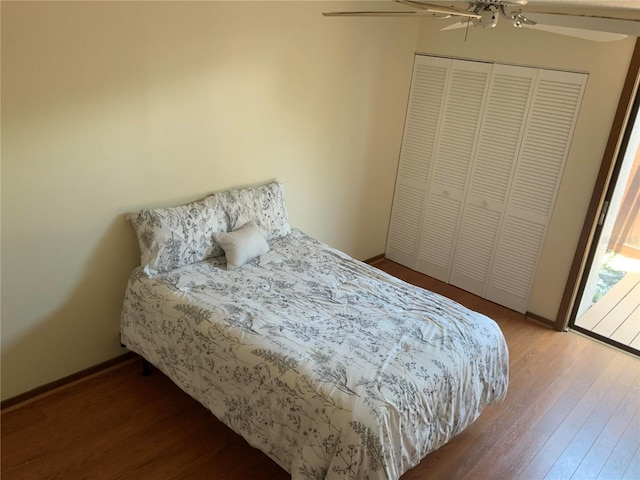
(331, 367)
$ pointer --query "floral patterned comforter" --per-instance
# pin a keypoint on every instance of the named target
(331, 367)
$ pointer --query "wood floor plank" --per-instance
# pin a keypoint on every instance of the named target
(552, 451)
(620, 458)
(564, 390)
(633, 469)
(583, 442)
(505, 430)
(602, 448)
(526, 435)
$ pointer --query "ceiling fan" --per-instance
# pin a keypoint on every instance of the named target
(486, 14)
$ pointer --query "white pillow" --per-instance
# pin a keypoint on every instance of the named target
(172, 237)
(264, 204)
(242, 245)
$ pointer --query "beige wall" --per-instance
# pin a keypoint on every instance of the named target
(607, 65)
(111, 107)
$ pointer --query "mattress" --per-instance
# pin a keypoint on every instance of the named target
(331, 367)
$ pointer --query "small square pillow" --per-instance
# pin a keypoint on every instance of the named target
(242, 245)
(172, 237)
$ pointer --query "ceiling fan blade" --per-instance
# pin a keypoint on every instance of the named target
(582, 22)
(593, 35)
(456, 26)
(380, 13)
(423, 10)
(437, 9)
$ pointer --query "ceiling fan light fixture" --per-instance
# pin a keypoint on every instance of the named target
(488, 17)
(519, 19)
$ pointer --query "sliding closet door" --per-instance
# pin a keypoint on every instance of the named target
(482, 157)
(422, 123)
(456, 142)
(503, 123)
(545, 146)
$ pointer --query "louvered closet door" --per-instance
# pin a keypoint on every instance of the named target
(456, 142)
(421, 128)
(510, 92)
(542, 155)
(482, 157)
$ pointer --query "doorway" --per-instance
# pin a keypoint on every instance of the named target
(608, 307)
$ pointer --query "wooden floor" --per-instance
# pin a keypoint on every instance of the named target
(572, 411)
(617, 314)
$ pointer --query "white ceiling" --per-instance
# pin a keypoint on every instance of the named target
(632, 4)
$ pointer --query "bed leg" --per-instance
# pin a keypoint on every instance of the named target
(146, 368)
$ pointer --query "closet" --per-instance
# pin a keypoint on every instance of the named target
(482, 156)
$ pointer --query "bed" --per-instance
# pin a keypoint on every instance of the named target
(331, 367)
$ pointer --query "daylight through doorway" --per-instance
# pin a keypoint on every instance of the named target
(609, 307)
